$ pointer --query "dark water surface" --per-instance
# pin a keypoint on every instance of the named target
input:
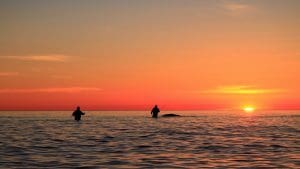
(132, 140)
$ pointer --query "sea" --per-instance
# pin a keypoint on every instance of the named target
(132, 139)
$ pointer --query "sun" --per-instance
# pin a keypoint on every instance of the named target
(248, 109)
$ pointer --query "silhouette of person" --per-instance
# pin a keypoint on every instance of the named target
(155, 111)
(77, 114)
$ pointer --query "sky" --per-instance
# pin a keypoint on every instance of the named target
(132, 54)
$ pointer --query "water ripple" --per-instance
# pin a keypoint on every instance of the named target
(138, 142)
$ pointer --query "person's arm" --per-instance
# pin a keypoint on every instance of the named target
(82, 113)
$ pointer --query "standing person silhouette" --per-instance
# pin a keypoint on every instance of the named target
(77, 114)
(155, 111)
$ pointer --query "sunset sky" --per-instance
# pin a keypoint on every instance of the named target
(132, 54)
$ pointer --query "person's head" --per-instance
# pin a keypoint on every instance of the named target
(78, 108)
(155, 106)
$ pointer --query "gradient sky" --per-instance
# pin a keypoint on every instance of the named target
(179, 54)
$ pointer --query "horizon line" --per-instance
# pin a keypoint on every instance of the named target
(287, 109)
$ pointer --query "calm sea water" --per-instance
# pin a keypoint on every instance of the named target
(133, 140)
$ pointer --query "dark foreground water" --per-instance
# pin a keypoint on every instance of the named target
(133, 140)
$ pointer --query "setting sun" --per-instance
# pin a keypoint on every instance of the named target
(248, 109)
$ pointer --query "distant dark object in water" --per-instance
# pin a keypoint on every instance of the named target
(170, 115)
(155, 111)
(77, 114)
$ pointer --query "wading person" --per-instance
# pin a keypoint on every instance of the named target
(155, 111)
(77, 114)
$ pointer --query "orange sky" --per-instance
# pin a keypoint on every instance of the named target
(107, 55)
